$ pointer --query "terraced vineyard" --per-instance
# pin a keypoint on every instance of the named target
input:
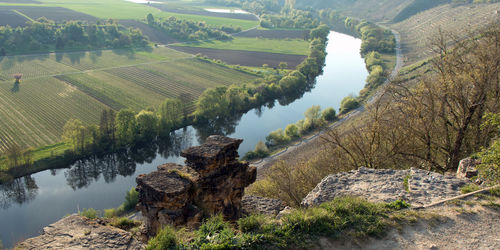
(56, 88)
(417, 31)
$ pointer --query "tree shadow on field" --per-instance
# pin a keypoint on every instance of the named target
(129, 53)
(15, 88)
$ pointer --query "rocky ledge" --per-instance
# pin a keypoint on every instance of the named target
(416, 186)
(212, 182)
(77, 232)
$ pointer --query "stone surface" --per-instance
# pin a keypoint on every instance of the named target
(386, 185)
(77, 232)
(467, 168)
(212, 182)
(261, 205)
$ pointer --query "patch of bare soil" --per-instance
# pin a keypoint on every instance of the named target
(245, 58)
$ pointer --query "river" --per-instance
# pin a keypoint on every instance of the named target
(30, 203)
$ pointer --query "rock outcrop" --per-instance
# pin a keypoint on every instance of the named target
(212, 182)
(416, 186)
(467, 168)
(77, 232)
(261, 205)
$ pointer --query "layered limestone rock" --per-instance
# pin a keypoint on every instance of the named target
(77, 232)
(467, 168)
(416, 186)
(262, 205)
(212, 182)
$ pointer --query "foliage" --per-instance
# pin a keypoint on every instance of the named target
(89, 213)
(191, 30)
(406, 183)
(124, 223)
(469, 188)
(260, 151)
(165, 239)
(341, 216)
(43, 35)
(348, 103)
(131, 199)
(292, 131)
(398, 205)
(329, 114)
(277, 137)
(489, 169)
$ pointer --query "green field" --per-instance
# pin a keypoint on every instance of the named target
(56, 88)
(282, 46)
(121, 9)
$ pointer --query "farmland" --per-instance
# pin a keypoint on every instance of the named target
(246, 58)
(418, 30)
(114, 9)
(58, 87)
(287, 46)
(11, 18)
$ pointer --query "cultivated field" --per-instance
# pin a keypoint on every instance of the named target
(11, 18)
(418, 30)
(275, 34)
(246, 58)
(58, 87)
(201, 12)
(287, 46)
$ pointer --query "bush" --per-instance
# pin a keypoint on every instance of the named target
(348, 103)
(292, 131)
(277, 137)
(124, 223)
(328, 114)
(89, 213)
(131, 199)
(165, 239)
(398, 205)
(260, 151)
(215, 233)
(251, 223)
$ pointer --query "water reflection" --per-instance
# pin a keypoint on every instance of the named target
(84, 172)
(18, 191)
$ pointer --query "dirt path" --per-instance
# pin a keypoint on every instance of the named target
(308, 147)
(467, 225)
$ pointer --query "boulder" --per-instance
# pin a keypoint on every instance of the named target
(261, 205)
(467, 168)
(212, 182)
(386, 185)
(77, 232)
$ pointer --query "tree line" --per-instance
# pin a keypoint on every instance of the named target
(44, 34)
(192, 30)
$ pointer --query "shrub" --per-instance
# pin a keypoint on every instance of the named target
(329, 114)
(131, 199)
(277, 137)
(251, 223)
(165, 239)
(215, 233)
(89, 213)
(398, 205)
(348, 103)
(124, 223)
(292, 131)
(469, 188)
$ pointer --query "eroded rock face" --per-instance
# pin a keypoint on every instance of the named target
(77, 232)
(212, 182)
(386, 185)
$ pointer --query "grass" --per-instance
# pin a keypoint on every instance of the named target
(58, 87)
(406, 183)
(286, 46)
(121, 9)
(344, 216)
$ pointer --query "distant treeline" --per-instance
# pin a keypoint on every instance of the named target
(290, 19)
(258, 7)
(192, 30)
(44, 34)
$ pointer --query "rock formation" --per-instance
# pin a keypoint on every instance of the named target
(467, 168)
(77, 232)
(386, 185)
(212, 182)
(261, 205)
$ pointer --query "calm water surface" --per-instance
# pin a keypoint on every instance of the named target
(30, 203)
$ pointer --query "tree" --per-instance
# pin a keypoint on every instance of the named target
(74, 134)
(283, 65)
(328, 114)
(292, 131)
(313, 115)
(126, 127)
(348, 103)
(3, 52)
(277, 137)
(170, 112)
(18, 77)
(150, 19)
(147, 125)
(59, 43)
